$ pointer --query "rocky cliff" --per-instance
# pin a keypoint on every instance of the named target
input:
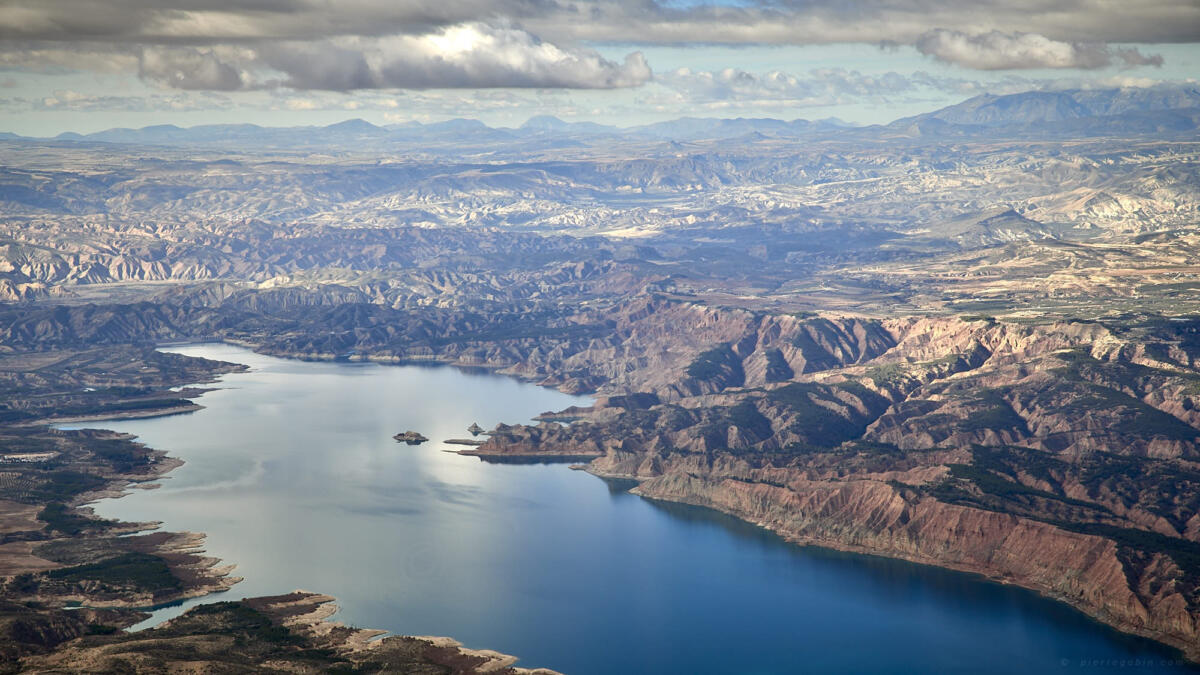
(1060, 457)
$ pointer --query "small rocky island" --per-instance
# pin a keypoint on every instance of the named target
(475, 429)
(410, 437)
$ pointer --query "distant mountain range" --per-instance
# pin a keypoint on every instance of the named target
(1079, 112)
(357, 130)
(1059, 106)
(1159, 110)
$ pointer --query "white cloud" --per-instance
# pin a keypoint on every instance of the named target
(301, 104)
(464, 56)
(996, 50)
(75, 101)
(818, 87)
(226, 45)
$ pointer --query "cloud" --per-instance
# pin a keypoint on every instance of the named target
(817, 87)
(822, 86)
(51, 58)
(189, 68)
(996, 50)
(222, 21)
(424, 104)
(206, 22)
(353, 45)
(74, 101)
(1133, 58)
(319, 65)
(301, 104)
(457, 57)
(871, 21)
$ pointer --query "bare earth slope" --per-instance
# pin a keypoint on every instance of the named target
(958, 343)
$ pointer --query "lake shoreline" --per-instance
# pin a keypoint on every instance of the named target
(198, 575)
(1187, 650)
(568, 457)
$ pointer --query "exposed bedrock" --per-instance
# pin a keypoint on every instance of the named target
(1036, 455)
(873, 516)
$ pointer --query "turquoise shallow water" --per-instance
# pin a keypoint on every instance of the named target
(292, 472)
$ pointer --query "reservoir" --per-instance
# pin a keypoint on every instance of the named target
(292, 472)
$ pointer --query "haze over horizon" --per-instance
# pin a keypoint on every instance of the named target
(82, 67)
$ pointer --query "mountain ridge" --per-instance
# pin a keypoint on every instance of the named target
(1082, 112)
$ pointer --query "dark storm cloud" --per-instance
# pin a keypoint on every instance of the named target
(877, 21)
(643, 21)
(214, 21)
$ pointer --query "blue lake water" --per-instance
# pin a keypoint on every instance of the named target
(292, 472)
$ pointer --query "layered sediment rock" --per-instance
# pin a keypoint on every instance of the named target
(876, 517)
(1035, 455)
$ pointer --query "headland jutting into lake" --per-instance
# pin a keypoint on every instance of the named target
(495, 554)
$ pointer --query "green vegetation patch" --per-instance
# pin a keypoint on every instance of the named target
(1185, 553)
(1082, 366)
(515, 328)
(993, 484)
(816, 357)
(875, 448)
(256, 639)
(1141, 419)
(1007, 460)
(871, 400)
(41, 487)
(818, 424)
(716, 362)
(121, 454)
(60, 518)
(890, 374)
(746, 416)
(1155, 423)
(139, 570)
(1144, 421)
(638, 401)
(995, 413)
(992, 471)
(114, 407)
(778, 369)
(245, 623)
(673, 417)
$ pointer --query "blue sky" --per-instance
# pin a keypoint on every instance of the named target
(503, 62)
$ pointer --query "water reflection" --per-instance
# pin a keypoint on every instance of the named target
(528, 461)
(292, 471)
(622, 486)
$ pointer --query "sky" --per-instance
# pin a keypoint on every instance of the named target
(88, 65)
